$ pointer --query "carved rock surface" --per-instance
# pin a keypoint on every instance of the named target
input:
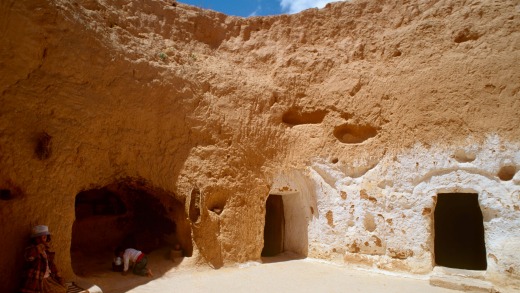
(389, 102)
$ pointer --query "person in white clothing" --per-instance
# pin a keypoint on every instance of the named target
(136, 258)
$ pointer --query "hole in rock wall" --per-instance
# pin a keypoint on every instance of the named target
(465, 35)
(43, 147)
(9, 191)
(506, 173)
(352, 134)
(274, 226)
(330, 218)
(459, 232)
(195, 206)
(297, 117)
(216, 205)
(129, 215)
(5, 194)
(464, 157)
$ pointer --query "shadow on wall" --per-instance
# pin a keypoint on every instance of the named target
(127, 213)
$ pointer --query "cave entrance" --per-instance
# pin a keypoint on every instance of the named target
(274, 226)
(128, 214)
(286, 224)
(459, 232)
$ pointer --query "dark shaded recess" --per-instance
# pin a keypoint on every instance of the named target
(216, 203)
(274, 226)
(9, 190)
(465, 35)
(296, 117)
(353, 134)
(5, 194)
(98, 202)
(128, 213)
(150, 219)
(43, 147)
(459, 232)
(195, 206)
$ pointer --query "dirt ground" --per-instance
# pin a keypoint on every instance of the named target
(278, 274)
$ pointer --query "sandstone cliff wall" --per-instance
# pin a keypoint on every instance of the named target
(358, 114)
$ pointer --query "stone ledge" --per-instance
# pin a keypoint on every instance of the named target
(462, 283)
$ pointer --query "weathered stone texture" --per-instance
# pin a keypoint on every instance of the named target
(359, 114)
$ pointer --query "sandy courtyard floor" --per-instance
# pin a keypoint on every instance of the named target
(278, 274)
(291, 276)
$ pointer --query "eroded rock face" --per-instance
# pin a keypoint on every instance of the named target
(358, 114)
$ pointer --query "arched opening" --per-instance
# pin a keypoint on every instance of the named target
(286, 224)
(128, 214)
(459, 232)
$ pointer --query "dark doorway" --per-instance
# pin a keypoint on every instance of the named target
(274, 226)
(459, 232)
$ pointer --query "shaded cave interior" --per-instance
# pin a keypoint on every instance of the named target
(459, 232)
(128, 214)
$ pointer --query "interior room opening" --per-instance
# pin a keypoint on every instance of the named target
(459, 232)
(286, 227)
(129, 215)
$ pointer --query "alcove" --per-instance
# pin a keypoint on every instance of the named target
(354, 134)
(459, 232)
(9, 190)
(6, 194)
(296, 116)
(127, 213)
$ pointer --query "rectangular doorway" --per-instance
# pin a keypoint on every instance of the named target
(274, 226)
(459, 232)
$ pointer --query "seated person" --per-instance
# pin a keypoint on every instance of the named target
(40, 271)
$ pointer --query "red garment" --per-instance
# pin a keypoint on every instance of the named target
(35, 267)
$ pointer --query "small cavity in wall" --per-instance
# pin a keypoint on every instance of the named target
(353, 134)
(295, 116)
(9, 191)
(43, 147)
(6, 194)
(194, 208)
(507, 172)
